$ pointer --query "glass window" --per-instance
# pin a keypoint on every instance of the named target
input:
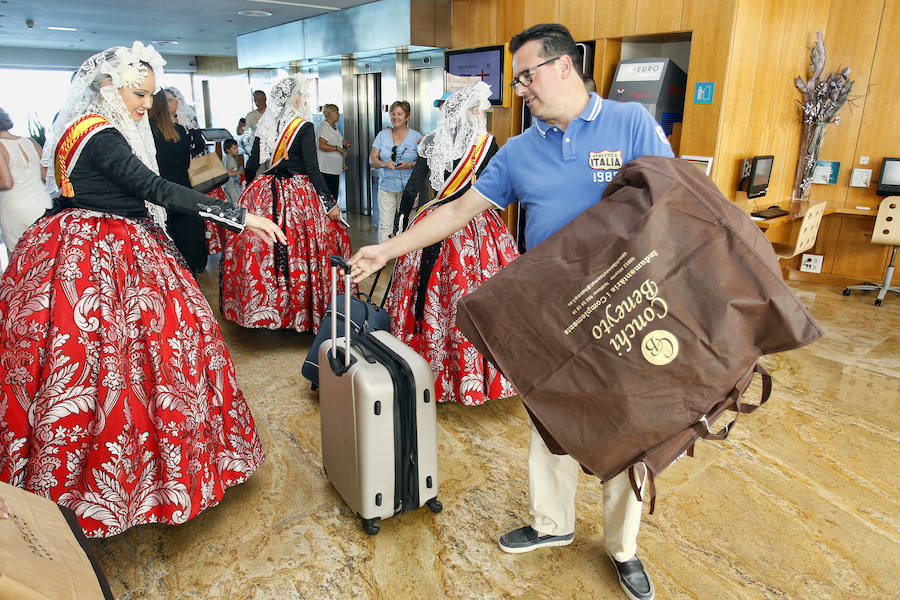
(34, 93)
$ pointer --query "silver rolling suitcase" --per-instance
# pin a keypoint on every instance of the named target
(379, 423)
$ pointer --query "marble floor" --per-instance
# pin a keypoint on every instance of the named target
(802, 501)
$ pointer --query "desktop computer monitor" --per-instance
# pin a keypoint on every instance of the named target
(889, 182)
(760, 172)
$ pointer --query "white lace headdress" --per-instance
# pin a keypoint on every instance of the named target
(185, 115)
(87, 94)
(288, 99)
(461, 123)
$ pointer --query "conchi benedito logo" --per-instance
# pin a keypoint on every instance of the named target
(659, 347)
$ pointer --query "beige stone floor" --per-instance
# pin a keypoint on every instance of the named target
(802, 501)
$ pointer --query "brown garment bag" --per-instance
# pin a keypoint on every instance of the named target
(630, 330)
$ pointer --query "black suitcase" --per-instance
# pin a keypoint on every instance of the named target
(365, 315)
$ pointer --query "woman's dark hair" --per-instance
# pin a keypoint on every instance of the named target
(5, 122)
(402, 104)
(555, 41)
(161, 119)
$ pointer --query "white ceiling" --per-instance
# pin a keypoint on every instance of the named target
(201, 27)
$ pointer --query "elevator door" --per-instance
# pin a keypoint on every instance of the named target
(363, 184)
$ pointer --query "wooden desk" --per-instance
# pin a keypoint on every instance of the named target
(844, 240)
(797, 214)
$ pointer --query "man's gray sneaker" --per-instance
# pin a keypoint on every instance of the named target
(634, 579)
(526, 539)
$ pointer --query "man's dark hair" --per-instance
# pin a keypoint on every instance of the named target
(228, 144)
(255, 92)
(5, 122)
(555, 41)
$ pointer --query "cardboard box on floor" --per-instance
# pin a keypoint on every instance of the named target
(41, 557)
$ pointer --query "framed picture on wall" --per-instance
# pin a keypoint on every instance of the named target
(704, 163)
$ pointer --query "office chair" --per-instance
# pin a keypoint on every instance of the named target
(809, 229)
(886, 231)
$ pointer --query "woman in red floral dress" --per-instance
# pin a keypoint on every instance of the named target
(118, 397)
(286, 287)
(428, 283)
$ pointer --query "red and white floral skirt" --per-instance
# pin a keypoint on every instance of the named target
(291, 291)
(216, 235)
(467, 258)
(118, 397)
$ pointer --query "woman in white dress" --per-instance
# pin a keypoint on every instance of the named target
(23, 197)
(332, 149)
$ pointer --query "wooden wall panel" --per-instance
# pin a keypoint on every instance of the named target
(606, 59)
(774, 116)
(737, 97)
(879, 129)
(850, 39)
(474, 23)
(510, 19)
(711, 23)
(541, 11)
(614, 18)
(578, 17)
(658, 16)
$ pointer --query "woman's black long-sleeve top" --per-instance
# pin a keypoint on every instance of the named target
(302, 160)
(174, 158)
(109, 178)
(418, 184)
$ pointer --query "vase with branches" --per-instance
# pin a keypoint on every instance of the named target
(822, 99)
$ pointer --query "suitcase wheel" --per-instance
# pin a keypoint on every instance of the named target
(371, 526)
(434, 505)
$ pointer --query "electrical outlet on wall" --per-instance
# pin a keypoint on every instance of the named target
(811, 263)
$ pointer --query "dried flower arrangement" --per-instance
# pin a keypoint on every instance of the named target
(822, 99)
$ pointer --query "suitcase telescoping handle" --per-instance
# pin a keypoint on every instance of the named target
(337, 261)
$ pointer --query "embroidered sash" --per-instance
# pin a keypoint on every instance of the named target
(463, 173)
(70, 146)
(286, 139)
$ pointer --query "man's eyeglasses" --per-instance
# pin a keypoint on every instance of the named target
(527, 76)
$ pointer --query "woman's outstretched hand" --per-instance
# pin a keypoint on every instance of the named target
(265, 228)
(335, 213)
(366, 261)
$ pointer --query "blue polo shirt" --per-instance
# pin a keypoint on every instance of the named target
(557, 174)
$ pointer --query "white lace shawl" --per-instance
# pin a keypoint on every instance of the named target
(185, 115)
(462, 123)
(288, 99)
(86, 95)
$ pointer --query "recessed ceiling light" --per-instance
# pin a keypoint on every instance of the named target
(254, 13)
(164, 42)
(54, 28)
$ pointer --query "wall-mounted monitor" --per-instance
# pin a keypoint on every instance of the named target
(889, 181)
(755, 178)
(485, 62)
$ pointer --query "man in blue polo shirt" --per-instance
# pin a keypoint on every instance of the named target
(557, 168)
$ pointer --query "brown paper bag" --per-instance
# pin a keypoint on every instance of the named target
(44, 554)
(635, 321)
(206, 173)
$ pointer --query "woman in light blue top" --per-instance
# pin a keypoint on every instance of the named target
(394, 154)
